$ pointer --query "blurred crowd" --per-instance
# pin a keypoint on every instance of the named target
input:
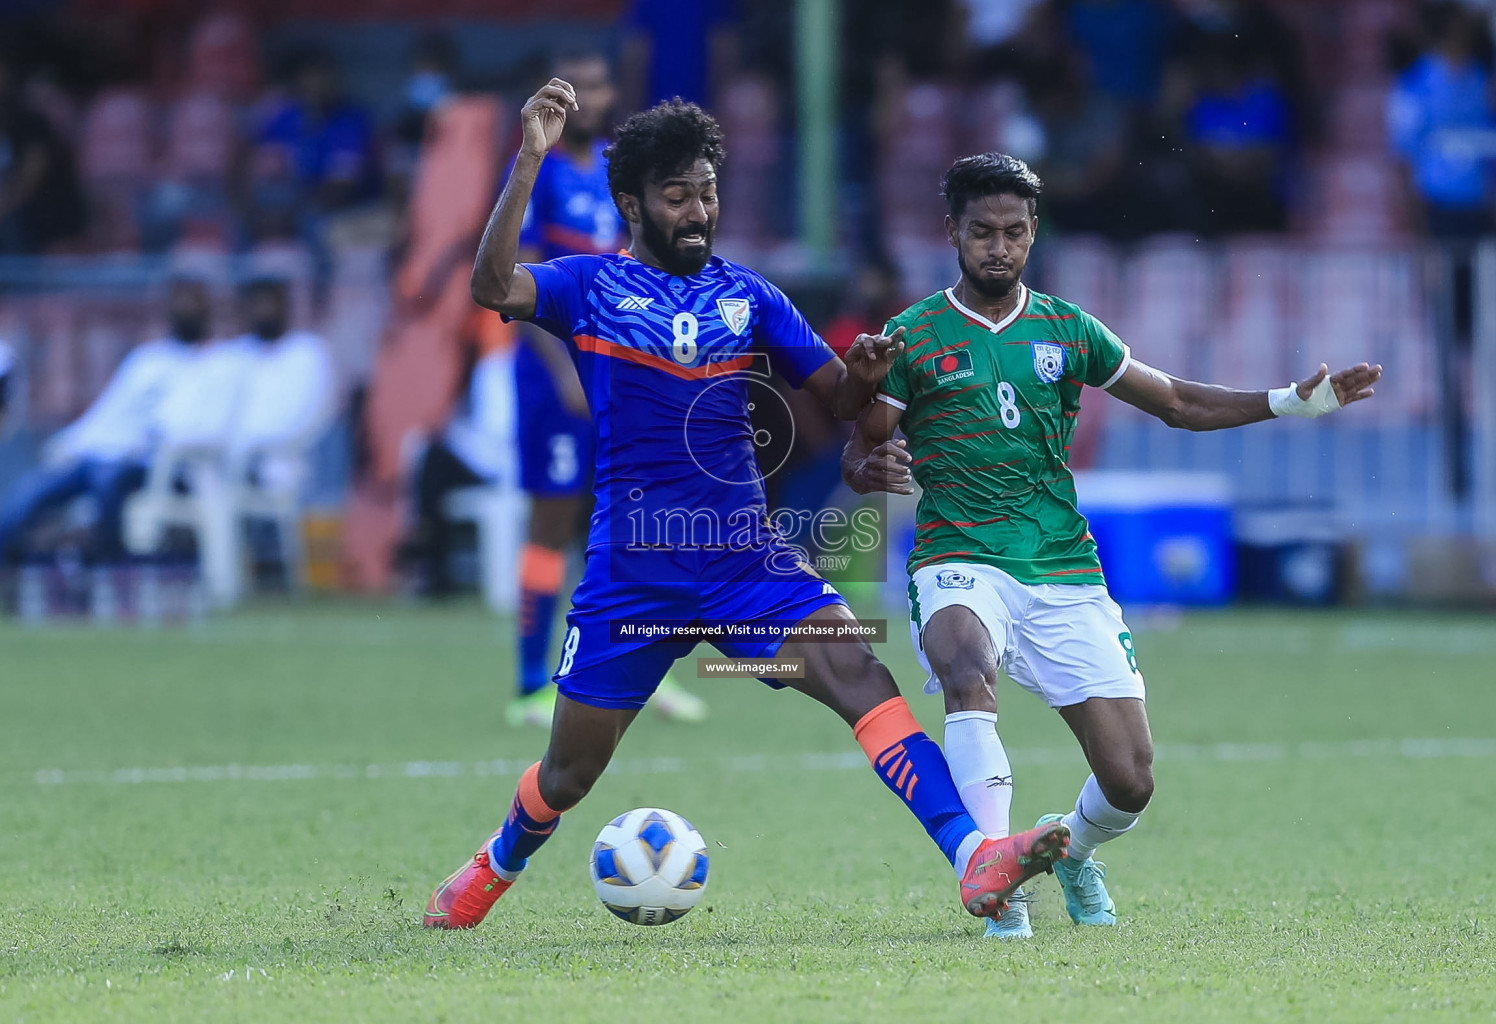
(243, 400)
(1143, 116)
(171, 127)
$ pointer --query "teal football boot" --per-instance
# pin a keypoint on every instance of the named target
(1085, 889)
(1013, 923)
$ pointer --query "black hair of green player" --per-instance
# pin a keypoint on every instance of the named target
(666, 139)
(989, 174)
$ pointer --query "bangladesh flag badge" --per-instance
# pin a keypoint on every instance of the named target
(953, 366)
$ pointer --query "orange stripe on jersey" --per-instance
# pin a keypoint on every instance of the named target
(1047, 316)
(613, 350)
(926, 458)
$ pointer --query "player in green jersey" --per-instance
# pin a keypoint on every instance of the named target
(1004, 572)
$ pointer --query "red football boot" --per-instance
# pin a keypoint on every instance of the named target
(1001, 865)
(468, 895)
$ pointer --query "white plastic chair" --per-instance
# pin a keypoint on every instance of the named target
(500, 513)
(221, 497)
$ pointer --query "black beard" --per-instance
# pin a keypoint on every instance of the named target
(672, 261)
(190, 330)
(267, 330)
(996, 291)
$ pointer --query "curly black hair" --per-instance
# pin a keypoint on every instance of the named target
(989, 174)
(663, 140)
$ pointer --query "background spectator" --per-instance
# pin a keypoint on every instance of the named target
(106, 451)
(315, 152)
(1237, 128)
(259, 401)
(1125, 43)
(677, 48)
(1086, 149)
(434, 76)
(40, 202)
(1441, 123)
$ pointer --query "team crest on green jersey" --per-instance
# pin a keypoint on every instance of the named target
(1049, 361)
(953, 366)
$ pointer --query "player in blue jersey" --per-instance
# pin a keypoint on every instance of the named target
(662, 336)
(570, 212)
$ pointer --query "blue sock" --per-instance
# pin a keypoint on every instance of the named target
(541, 572)
(911, 764)
(529, 825)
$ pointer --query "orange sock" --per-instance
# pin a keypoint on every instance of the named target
(887, 725)
(530, 823)
(528, 795)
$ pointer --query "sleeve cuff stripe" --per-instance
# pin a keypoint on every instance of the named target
(1121, 369)
(892, 401)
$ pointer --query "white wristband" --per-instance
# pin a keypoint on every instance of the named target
(1286, 401)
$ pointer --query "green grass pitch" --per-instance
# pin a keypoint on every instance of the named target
(243, 821)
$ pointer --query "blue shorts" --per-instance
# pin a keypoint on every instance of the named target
(555, 447)
(604, 669)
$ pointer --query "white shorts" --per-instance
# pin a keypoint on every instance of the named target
(1064, 642)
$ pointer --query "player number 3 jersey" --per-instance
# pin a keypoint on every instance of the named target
(989, 410)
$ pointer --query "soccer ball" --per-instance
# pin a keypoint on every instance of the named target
(649, 866)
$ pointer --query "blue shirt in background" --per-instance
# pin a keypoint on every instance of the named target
(680, 32)
(336, 148)
(571, 210)
(1440, 121)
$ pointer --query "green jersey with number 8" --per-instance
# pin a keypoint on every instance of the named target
(989, 410)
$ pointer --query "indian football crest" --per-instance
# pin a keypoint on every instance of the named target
(1049, 361)
(954, 579)
(735, 314)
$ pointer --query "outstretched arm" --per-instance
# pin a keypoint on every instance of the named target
(1191, 405)
(497, 283)
(847, 388)
(873, 460)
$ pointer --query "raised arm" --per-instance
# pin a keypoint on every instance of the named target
(499, 284)
(1191, 405)
(873, 459)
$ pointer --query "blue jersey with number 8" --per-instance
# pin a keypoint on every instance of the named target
(670, 365)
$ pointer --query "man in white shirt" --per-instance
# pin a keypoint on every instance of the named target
(105, 451)
(258, 401)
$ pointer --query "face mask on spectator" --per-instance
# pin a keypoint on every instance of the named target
(190, 329)
(267, 328)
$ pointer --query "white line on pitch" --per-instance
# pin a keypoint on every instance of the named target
(850, 760)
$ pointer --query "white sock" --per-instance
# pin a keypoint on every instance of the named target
(964, 852)
(493, 861)
(1095, 821)
(980, 769)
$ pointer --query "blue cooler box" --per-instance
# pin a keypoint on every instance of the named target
(1164, 538)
